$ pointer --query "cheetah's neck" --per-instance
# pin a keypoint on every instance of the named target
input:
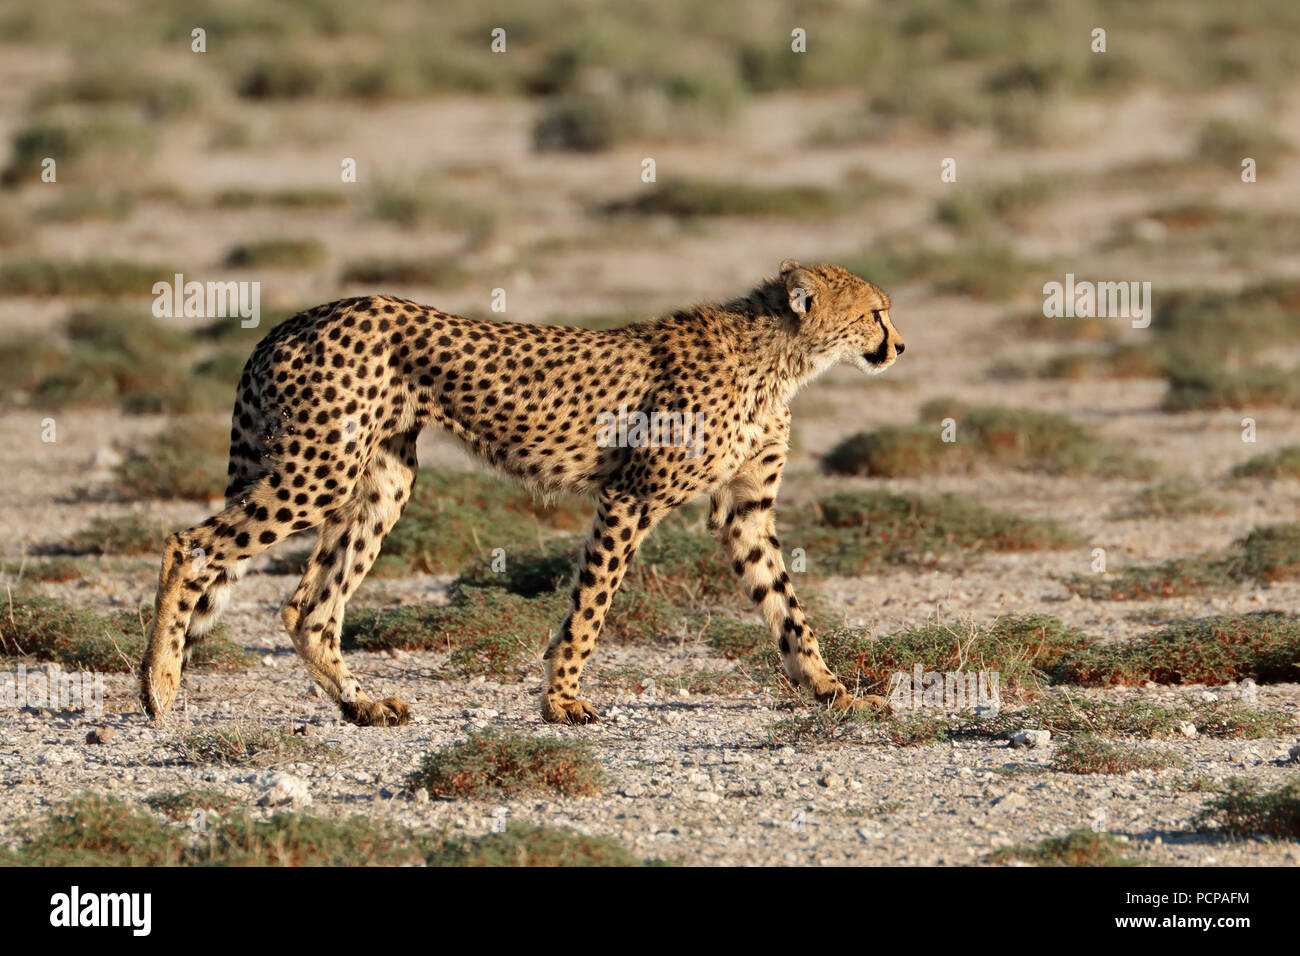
(773, 361)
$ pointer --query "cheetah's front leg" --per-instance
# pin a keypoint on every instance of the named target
(621, 522)
(742, 520)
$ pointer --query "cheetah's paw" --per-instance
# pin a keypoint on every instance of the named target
(159, 685)
(568, 712)
(839, 698)
(847, 701)
(389, 712)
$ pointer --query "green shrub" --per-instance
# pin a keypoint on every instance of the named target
(1281, 464)
(488, 630)
(74, 143)
(1090, 755)
(979, 208)
(856, 530)
(454, 518)
(1081, 847)
(1024, 439)
(425, 206)
(1114, 362)
(534, 846)
(1024, 651)
(1173, 498)
(79, 204)
(1244, 809)
(123, 534)
(308, 199)
(689, 198)
(247, 743)
(35, 628)
(106, 277)
(95, 830)
(1227, 140)
(277, 253)
(108, 83)
(180, 806)
(1215, 650)
(1069, 715)
(579, 124)
(185, 460)
(494, 764)
(1269, 554)
(1203, 388)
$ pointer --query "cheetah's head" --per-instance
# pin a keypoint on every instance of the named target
(842, 317)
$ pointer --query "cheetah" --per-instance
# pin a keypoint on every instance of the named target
(331, 401)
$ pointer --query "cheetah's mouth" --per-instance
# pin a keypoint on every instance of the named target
(880, 357)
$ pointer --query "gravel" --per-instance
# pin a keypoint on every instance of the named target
(708, 788)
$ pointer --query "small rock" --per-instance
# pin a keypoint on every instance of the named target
(830, 781)
(1012, 801)
(1031, 738)
(283, 790)
(1249, 691)
(314, 691)
(1294, 754)
(105, 458)
(305, 730)
(101, 735)
(268, 660)
(1187, 729)
(420, 796)
(1149, 230)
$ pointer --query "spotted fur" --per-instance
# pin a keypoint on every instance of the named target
(331, 402)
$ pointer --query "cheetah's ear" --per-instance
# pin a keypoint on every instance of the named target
(802, 286)
(789, 265)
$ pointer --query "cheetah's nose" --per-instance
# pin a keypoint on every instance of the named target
(900, 348)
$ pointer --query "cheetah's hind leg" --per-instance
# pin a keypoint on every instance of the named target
(349, 542)
(194, 563)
